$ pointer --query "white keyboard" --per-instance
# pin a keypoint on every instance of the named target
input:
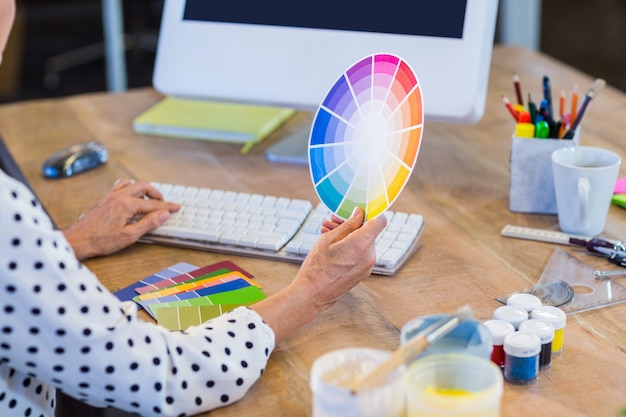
(269, 227)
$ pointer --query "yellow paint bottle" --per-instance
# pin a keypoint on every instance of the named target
(557, 318)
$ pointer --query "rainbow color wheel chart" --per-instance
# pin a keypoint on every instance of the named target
(366, 136)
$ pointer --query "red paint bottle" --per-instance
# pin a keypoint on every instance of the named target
(499, 330)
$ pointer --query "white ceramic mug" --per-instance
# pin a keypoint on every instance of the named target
(584, 179)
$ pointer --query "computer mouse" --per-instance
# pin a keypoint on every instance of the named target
(75, 159)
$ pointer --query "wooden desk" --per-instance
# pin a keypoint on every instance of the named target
(460, 185)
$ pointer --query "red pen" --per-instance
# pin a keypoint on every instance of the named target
(518, 89)
(509, 106)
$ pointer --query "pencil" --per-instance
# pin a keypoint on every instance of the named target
(509, 106)
(597, 85)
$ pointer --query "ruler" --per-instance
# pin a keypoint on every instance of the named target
(541, 235)
(574, 286)
(590, 293)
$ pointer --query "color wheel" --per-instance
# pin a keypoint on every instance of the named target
(366, 136)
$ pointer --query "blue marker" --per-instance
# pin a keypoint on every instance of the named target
(547, 95)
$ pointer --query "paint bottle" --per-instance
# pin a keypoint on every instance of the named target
(545, 331)
(521, 363)
(499, 330)
(557, 318)
(514, 315)
(528, 302)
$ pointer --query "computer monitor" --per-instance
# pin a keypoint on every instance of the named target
(289, 53)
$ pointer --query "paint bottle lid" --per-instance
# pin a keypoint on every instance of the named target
(499, 330)
(522, 344)
(549, 314)
(514, 315)
(544, 330)
(528, 302)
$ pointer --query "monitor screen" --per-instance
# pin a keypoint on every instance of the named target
(442, 19)
(287, 53)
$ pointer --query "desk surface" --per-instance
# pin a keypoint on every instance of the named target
(460, 185)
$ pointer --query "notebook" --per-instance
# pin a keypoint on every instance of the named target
(209, 120)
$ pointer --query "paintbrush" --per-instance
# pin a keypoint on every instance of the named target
(593, 91)
(411, 349)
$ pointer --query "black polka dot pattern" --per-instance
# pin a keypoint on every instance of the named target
(59, 328)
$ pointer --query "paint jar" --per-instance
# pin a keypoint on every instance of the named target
(545, 331)
(514, 315)
(557, 318)
(332, 374)
(528, 302)
(521, 364)
(499, 330)
(453, 385)
(470, 336)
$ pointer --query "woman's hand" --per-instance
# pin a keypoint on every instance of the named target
(334, 222)
(123, 215)
(342, 257)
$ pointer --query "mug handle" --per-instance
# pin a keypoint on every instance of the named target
(583, 203)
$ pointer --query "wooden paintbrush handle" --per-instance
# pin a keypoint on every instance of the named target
(411, 349)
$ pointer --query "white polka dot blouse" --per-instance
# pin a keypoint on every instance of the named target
(60, 328)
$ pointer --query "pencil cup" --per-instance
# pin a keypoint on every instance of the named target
(531, 181)
(453, 385)
(333, 372)
(471, 337)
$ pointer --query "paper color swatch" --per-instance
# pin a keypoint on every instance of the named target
(196, 284)
(243, 296)
(189, 275)
(179, 318)
(127, 294)
(185, 295)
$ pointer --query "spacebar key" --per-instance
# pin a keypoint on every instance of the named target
(185, 233)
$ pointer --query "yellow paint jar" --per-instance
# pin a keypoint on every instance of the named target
(453, 385)
(557, 318)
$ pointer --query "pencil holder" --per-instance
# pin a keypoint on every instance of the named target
(531, 183)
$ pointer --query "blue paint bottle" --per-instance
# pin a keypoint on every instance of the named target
(521, 362)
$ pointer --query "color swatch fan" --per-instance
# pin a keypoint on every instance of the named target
(366, 136)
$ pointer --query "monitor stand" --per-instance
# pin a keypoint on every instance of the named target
(292, 149)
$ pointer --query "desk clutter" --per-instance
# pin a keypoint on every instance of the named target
(447, 365)
(531, 182)
(184, 295)
(543, 122)
(442, 368)
(447, 353)
(525, 336)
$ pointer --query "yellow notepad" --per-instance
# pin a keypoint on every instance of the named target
(209, 120)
